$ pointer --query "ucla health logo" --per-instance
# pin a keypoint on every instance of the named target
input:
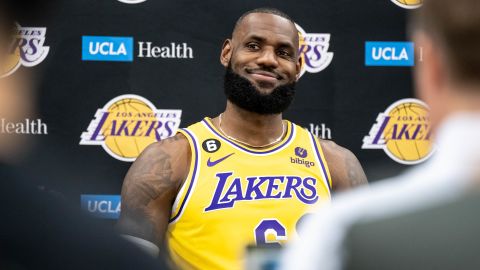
(28, 126)
(101, 206)
(403, 132)
(27, 49)
(313, 49)
(101, 48)
(128, 124)
(408, 4)
(380, 53)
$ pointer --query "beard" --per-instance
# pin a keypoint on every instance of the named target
(241, 92)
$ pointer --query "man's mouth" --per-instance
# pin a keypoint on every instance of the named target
(264, 75)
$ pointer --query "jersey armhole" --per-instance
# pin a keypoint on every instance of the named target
(188, 185)
(323, 161)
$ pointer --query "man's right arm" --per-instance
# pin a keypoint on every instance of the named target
(150, 188)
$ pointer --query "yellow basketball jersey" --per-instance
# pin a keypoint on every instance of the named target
(237, 196)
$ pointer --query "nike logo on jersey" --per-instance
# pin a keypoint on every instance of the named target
(211, 163)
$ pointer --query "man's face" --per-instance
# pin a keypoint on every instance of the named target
(264, 50)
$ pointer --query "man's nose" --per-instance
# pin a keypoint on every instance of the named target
(267, 58)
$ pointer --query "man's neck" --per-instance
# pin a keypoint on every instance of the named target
(249, 127)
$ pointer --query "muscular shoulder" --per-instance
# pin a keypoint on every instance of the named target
(333, 151)
(171, 156)
(345, 169)
(177, 144)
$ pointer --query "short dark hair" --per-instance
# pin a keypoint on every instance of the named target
(455, 27)
(267, 10)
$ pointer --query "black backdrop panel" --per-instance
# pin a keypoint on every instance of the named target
(345, 97)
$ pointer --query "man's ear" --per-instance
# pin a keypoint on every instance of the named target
(226, 53)
(298, 66)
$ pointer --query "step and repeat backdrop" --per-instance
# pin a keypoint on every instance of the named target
(114, 76)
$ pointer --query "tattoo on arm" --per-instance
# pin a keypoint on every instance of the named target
(147, 194)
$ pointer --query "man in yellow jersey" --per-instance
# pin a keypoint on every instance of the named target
(244, 177)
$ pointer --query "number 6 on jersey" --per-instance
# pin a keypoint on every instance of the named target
(268, 227)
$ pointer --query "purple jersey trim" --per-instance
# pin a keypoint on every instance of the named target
(246, 149)
(321, 161)
(193, 176)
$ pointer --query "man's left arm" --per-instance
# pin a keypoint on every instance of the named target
(345, 169)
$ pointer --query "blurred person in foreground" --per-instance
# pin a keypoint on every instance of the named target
(39, 229)
(428, 217)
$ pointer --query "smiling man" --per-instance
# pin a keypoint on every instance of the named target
(244, 177)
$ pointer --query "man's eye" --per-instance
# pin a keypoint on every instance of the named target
(253, 46)
(284, 53)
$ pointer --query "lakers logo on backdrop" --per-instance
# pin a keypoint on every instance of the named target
(313, 49)
(410, 4)
(129, 123)
(26, 49)
(403, 132)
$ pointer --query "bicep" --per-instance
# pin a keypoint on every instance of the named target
(345, 169)
(148, 191)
